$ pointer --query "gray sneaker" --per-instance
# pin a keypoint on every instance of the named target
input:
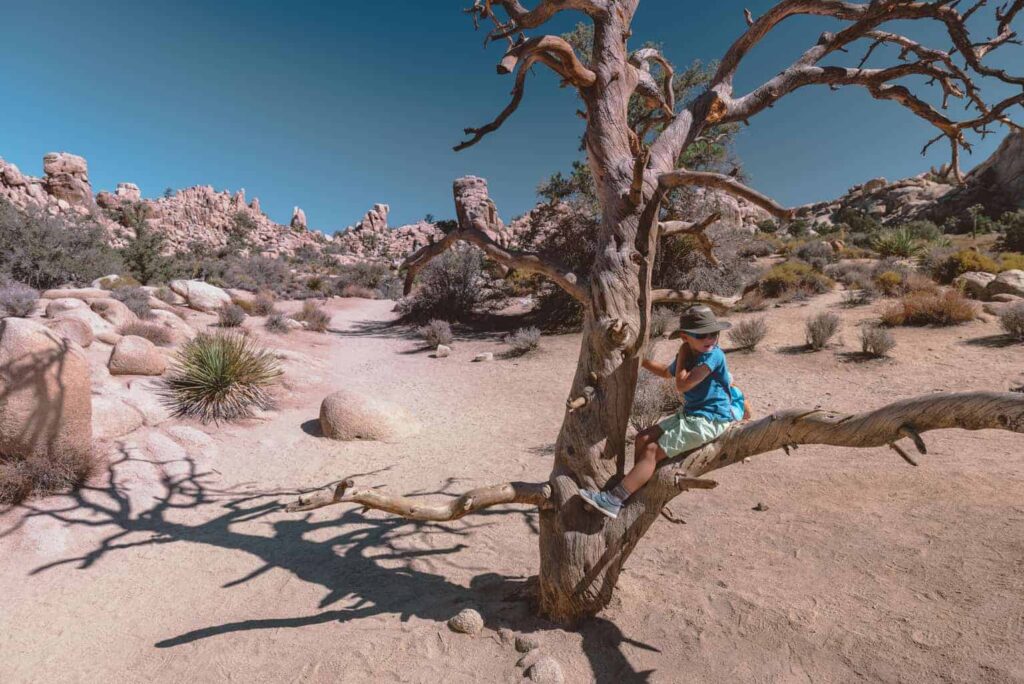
(603, 502)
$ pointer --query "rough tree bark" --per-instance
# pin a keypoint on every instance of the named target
(582, 554)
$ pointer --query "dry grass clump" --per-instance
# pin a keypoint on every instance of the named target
(17, 300)
(262, 304)
(749, 333)
(158, 334)
(876, 341)
(523, 341)
(314, 316)
(793, 276)
(653, 398)
(436, 332)
(223, 376)
(662, 321)
(136, 299)
(928, 307)
(1012, 321)
(277, 322)
(358, 291)
(165, 295)
(21, 477)
(231, 316)
(821, 328)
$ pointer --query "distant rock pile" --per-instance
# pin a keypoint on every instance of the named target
(372, 239)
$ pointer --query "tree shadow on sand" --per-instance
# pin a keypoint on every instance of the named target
(348, 564)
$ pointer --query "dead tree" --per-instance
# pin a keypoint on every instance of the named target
(581, 554)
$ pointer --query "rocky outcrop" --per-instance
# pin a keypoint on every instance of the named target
(193, 215)
(299, 219)
(45, 402)
(199, 295)
(372, 239)
(996, 183)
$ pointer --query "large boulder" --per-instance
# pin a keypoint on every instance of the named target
(113, 311)
(199, 295)
(55, 307)
(73, 329)
(134, 355)
(1007, 282)
(45, 402)
(974, 283)
(182, 330)
(67, 178)
(88, 316)
(349, 415)
(75, 293)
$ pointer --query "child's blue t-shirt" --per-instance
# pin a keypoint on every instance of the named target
(710, 397)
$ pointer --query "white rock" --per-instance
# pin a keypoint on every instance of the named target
(45, 399)
(75, 293)
(113, 311)
(546, 671)
(467, 621)
(348, 415)
(974, 283)
(442, 351)
(57, 306)
(87, 316)
(1007, 282)
(201, 296)
(485, 356)
(134, 355)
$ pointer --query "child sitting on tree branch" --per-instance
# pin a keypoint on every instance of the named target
(710, 404)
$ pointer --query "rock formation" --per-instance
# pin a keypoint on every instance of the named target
(372, 239)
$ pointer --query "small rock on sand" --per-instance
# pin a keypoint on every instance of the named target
(468, 621)
(526, 643)
(442, 351)
(486, 356)
(760, 507)
(546, 671)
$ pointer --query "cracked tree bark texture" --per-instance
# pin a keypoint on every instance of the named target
(582, 553)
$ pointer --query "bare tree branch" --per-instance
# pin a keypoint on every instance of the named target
(556, 53)
(641, 59)
(669, 296)
(521, 18)
(696, 230)
(517, 96)
(708, 179)
(881, 427)
(477, 217)
(531, 493)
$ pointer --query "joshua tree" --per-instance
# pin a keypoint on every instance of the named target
(635, 162)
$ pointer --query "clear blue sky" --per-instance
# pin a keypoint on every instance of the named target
(336, 106)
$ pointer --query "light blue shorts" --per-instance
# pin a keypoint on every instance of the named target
(680, 432)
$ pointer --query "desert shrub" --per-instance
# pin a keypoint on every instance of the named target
(1012, 321)
(816, 253)
(367, 274)
(390, 288)
(821, 328)
(876, 341)
(1011, 260)
(277, 322)
(890, 283)
(359, 291)
(17, 299)
(257, 273)
(751, 301)
(263, 303)
(662, 321)
(314, 316)
(44, 251)
(897, 243)
(316, 284)
(923, 230)
(156, 333)
(435, 332)
(681, 265)
(945, 270)
(523, 341)
(40, 474)
(799, 228)
(857, 221)
(144, 252)
(756, 248)
(165, 294)
(116, 282)
(654, 397)
(224, 376)
(748, 334)
(848, 273)
(450, 287)
(767, 226)
(230, 316)
(923, 307)
(136, 299)
(792, 276)
(859, 294)
(1012, 238)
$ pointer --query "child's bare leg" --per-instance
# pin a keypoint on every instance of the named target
(647, 454)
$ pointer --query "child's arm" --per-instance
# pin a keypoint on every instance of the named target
(686, 380)
(659, 369)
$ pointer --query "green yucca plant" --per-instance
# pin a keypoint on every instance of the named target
(898, 243)
(221, 376)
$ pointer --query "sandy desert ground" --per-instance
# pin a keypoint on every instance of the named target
(182, 565)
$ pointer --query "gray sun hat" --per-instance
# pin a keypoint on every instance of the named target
(699, 319)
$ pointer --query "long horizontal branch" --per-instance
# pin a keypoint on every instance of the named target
(563, 59)
(728, 184)
(521, 18)
(906, 419)
(670, 296)
(530, 493)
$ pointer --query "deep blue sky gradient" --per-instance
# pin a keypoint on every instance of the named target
(336, 106)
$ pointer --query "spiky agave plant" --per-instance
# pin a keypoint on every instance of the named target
(221, 376)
